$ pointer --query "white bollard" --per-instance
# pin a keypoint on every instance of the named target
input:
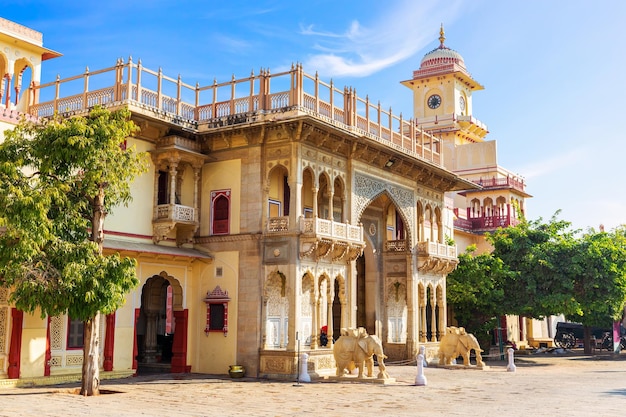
(511, 366)
(304, 374)
(423, 353)
(420, 379)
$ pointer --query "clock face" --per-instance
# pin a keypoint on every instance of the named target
(434, 101)
(462, 103)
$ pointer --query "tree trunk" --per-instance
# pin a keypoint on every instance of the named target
(91, 354)
(587, 339)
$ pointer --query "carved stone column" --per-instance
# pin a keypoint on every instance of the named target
(433, 317)
(315, 213)
(173, 181)
(329, 306)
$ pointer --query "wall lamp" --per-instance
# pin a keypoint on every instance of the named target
(389, 163)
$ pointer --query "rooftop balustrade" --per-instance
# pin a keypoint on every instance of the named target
(234, 101)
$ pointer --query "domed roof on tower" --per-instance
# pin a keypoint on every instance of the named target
(442, 61)
(442, 55)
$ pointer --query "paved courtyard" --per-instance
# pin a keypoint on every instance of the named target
(542, 385)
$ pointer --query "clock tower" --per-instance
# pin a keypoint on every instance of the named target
(442, 105)
(442, 96)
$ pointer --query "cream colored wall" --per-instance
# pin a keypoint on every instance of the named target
(137, 217)
(476, 156)
(220, 176)
(33, 353)
(213, 353)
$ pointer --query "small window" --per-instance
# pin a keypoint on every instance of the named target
(274, 208)
(75, 334)
(220, 212)
(217, 311)
(216, 316)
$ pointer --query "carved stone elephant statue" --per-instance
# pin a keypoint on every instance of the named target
(457, 342)
(355, 349)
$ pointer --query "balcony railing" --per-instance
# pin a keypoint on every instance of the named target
(512, 182)
(234, 101)
(176, 212)
(486, 223)
(396, 246)
(278, 224)
(331, 229)
(434, 249)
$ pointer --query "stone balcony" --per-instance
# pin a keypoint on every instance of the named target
(175, 218)
(321, 238)
(436, 258)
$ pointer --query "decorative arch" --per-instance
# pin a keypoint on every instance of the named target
(421, 301)
(339, 199)
(276, 304)
(308, 192)
(440, 317)
(325, 185)
(161, 326)
(367, 189)
(21, 77)
(278, 192)
(307, 310)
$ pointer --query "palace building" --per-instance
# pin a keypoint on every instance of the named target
(279, 208)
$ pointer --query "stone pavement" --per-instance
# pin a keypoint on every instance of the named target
(542, 385)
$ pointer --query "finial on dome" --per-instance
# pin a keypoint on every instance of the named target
(442, 36)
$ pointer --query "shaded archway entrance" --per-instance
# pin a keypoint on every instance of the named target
(161, 326)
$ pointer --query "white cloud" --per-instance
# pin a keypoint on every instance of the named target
(362, 49)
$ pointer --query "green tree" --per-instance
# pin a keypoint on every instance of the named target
(474, 288)
(58, 181)
(539, 257)
(599, 278)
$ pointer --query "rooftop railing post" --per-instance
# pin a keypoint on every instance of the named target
(159, 93)
(379, 111)
(139, 98)
(347, 97)
(268, 90)
(196, 113)
(178, 95)
(85, 88)
(391, 126)
(57, 86)
(412, 134)
(317, 93)
(117, 90)
(251, 97)
(332, 101)
(214, 103)
(232, 95)
(367, 113)
(129, 77)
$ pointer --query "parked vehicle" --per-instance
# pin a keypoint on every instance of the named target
(567, 334)
(607, 341)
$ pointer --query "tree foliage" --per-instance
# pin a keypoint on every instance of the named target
(539, 258)
(58, 181)
(600, 278)
(538, 269)
(475, 290)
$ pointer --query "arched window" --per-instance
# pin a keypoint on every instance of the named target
(220, 212)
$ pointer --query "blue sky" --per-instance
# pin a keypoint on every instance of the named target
(552, 70)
